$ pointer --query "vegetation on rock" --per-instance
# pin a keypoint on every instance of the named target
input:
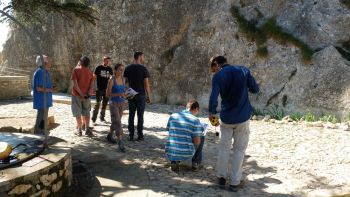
(270, 29)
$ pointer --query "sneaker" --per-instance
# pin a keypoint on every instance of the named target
(131, 139)
(111, 139)
(195, 167)
(121, 146)
(221, 182)
(78, 132)
(89, 133)
(175, 166)
(233, 188)
(140, 138)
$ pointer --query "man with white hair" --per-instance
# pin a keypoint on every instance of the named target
(39, 91)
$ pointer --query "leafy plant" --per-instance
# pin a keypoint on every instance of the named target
(258, 112)
(270, 29)
(273, 30)
(276, 112)
(29, 11)
(346, 3)
(296, 116)
(309, 117)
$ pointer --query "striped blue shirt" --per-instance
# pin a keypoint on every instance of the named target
(182, 128)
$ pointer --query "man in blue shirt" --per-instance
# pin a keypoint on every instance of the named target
(38, 93)
(232, 83)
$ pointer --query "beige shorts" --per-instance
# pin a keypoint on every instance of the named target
(80, 107)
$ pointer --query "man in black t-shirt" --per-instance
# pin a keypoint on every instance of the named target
(102, 74)
(137, 76)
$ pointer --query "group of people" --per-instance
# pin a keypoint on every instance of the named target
(186, 133)
(110, 88)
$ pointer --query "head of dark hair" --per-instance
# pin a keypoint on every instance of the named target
(192, 104)
(137, 54)
(219, 60)
(116, 66)
(84, 61)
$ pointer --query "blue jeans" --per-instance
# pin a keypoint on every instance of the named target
(197, 157)
(138, 103)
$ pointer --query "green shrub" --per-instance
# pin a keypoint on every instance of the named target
(276, 112)
(296, 116)
(270, 29)
(258, 112)
(326, 118)
(273, 30)
(346, 3)
(309, 117)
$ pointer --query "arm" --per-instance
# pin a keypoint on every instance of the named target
(91, 86)
(109, 88)
(75, 84)
(77, 88)
(41, 89)
(197, 133)
(39, 85)
(196, 141)
(213, 100)
(252, 85)
(148, 90)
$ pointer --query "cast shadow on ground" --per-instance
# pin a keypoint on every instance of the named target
(129, 173)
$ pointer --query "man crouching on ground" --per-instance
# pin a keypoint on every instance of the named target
(186, 139)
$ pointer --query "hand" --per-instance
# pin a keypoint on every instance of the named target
(148, 100)
(210, 116)
(54, 89)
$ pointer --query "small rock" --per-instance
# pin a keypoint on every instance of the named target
(279, 121)
(56, 187)
(308, 124)
(266, 118)
(20, 189)
(254, 117)
(330, 125)
(286, 118)
(37, 187)
(272, 120)
(317, 124)
(61, 172)
(344, 126)
(260, 117)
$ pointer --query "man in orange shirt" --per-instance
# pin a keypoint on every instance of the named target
(83, 83)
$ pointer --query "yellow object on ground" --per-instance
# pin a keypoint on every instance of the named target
(214, 121)
(5, 150)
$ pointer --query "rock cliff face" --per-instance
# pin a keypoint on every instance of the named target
(178, 38)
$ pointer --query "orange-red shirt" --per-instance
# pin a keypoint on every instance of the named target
(84, 78)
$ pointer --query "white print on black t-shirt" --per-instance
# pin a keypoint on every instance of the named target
(105, 73)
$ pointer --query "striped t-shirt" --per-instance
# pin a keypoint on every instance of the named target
(182, 127)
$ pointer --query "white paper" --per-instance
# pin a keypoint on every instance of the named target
(205, 128)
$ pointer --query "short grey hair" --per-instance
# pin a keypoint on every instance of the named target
(38, 60)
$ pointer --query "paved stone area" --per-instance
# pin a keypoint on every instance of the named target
(281, 159)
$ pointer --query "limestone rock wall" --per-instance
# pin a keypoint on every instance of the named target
(178, 38)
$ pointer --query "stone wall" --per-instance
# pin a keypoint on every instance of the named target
(14, 86)
(179, 37)
(53, 180)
